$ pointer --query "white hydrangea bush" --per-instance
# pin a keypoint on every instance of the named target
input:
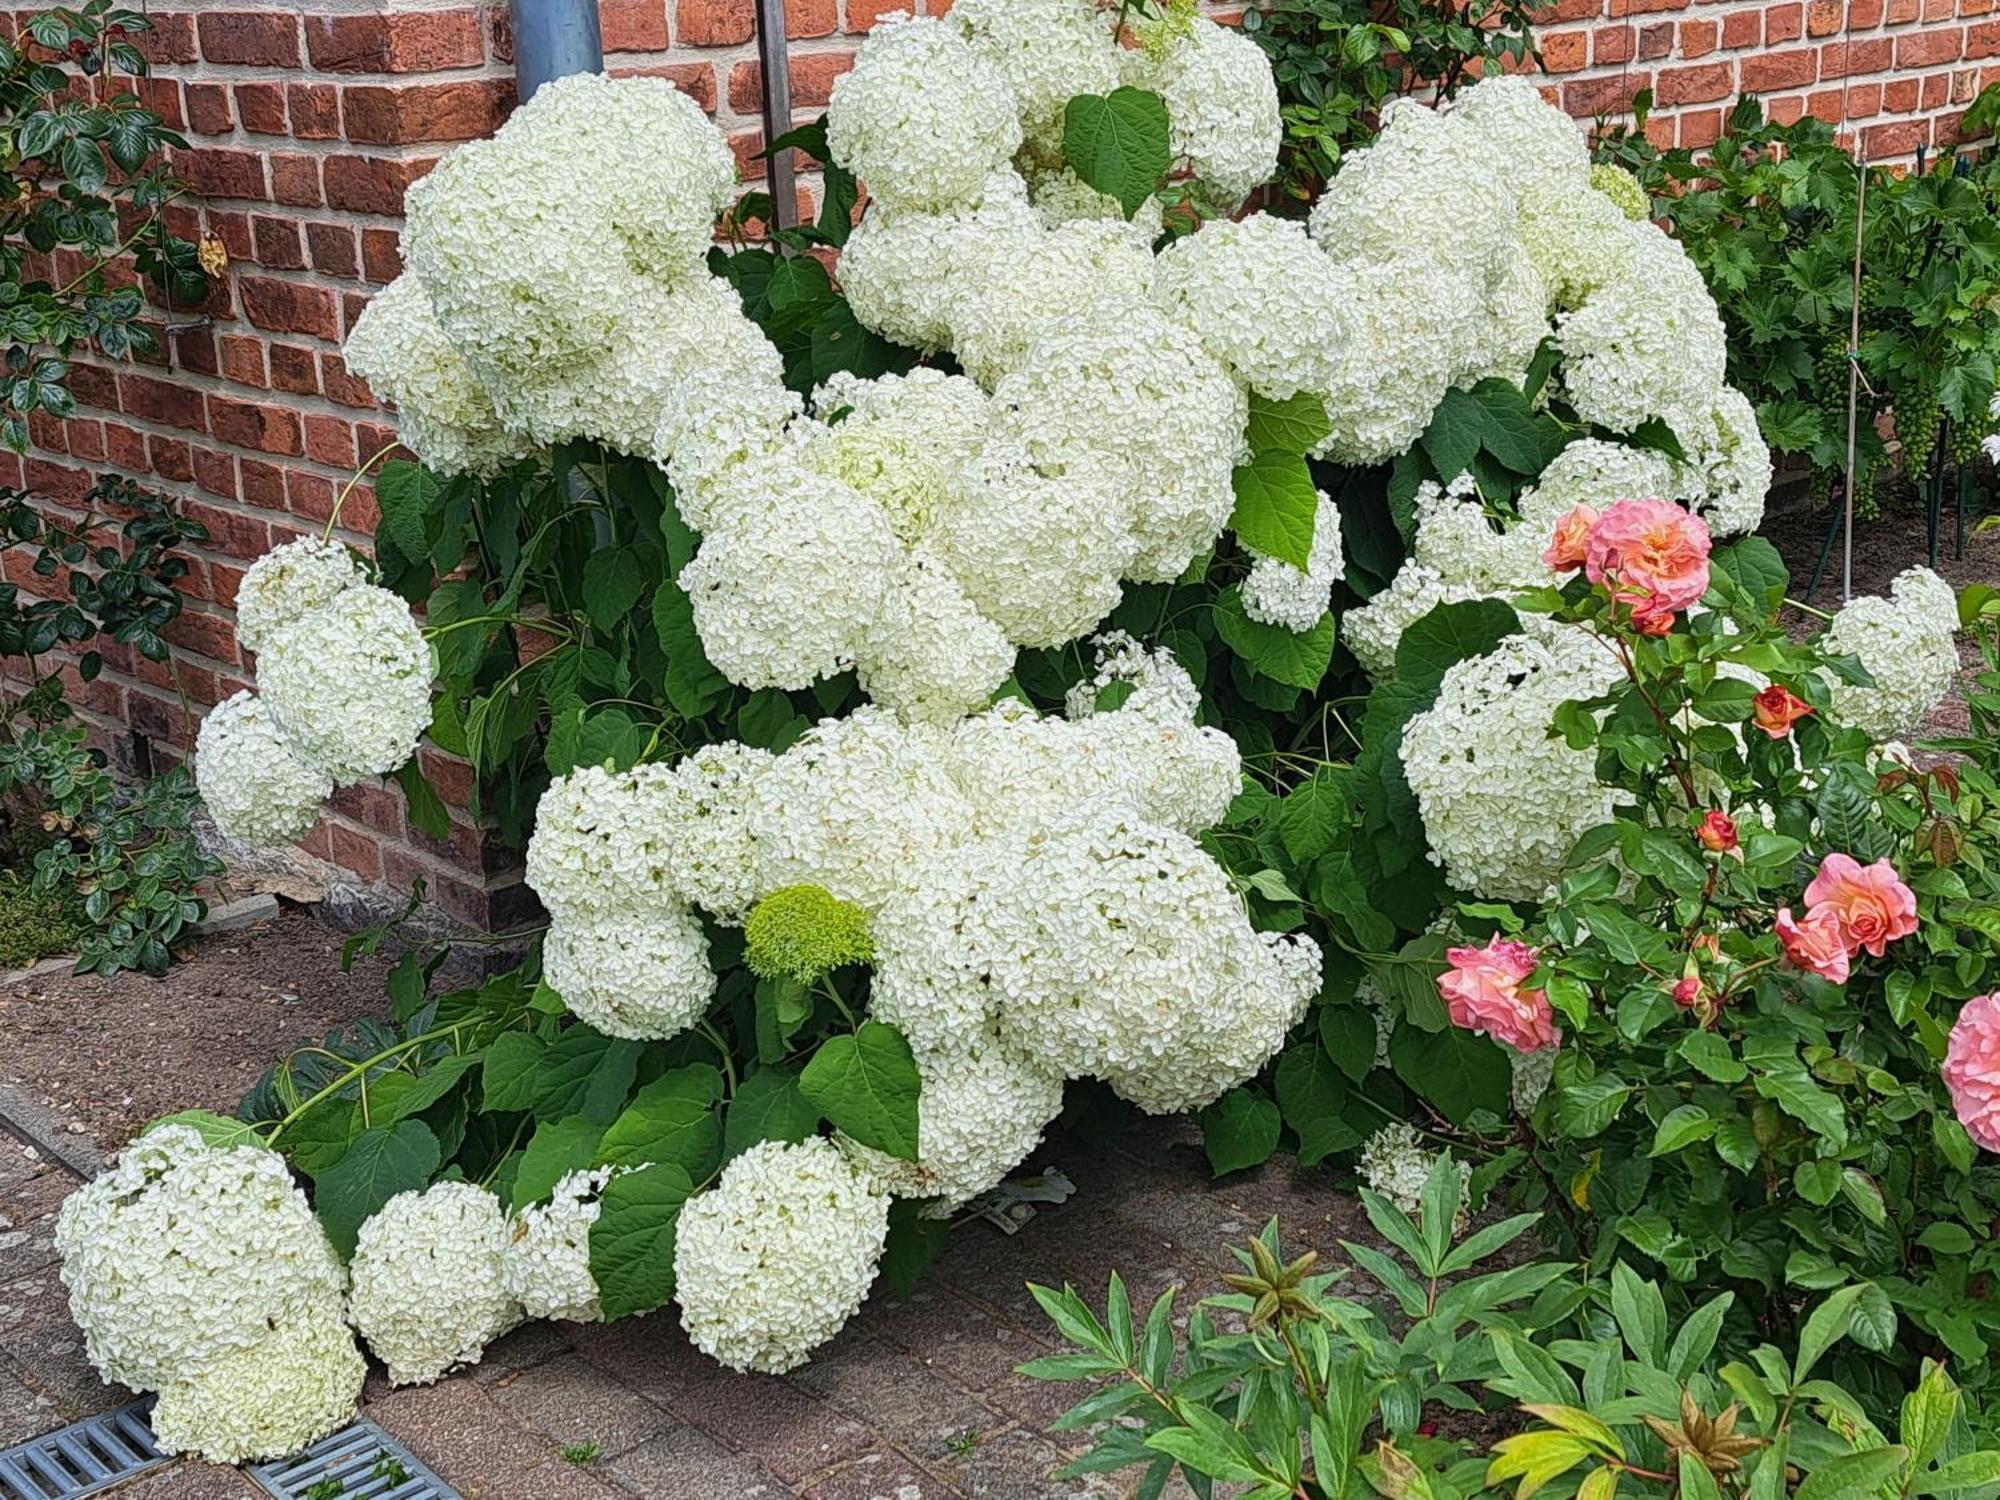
(199, 1271)
(1908, 641)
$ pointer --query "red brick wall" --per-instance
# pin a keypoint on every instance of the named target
(307, 122)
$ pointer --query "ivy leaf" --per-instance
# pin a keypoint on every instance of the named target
(632, 1241)
(1119, 143)
(1296, 660)
(1276, 505)
(1239, 1130)
(768, 1106)
(381, 1162)
(1298, 424)
(405, 494)
(671, 1119)
(867, 1085)
(558, 1148)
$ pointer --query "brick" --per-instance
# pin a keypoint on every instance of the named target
(164, 401)
(170, 39)
(85, 439)
(409, 42)
(1610, 45)
(261, 107)
(163, 97)
(1566, 51)
(170, 458)
(1928, 49)
(1937, 92)
(277, 243)
(243, 359)
(813, 73)
(330, 441)
(216, 173)
(1768, 72)
(715, 23)
(125, 447)
(205, 634)
(1656, 41)
(257, 425)
(257, 39)
(341, 386)
(1699, 38)
(208, 111)
(233, 229)
(314, 110)
(632, 25)
(294, 369)
(1700, 127)
(370, 184)
(1983, 40)
(1897, 138)
(215, 471)
(696, 80)
(1695, 85)
(1899, 95)
(810, 18)
(308, 495)
(403, 113)
(381, 255)
(356, 851)
(1850, 59)
(333, 251)
(263, 484)
(1902, 12)
(863, 14)
(295, 180)
(1603, 96)
(1569, 10)
(1741, 29)
(195, 351)
(289, 307)
(1783, 23)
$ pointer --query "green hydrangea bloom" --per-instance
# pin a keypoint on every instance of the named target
(1623, 189)
(805, 932)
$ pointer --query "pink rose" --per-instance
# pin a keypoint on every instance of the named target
(1815, 944)
(1972, 1070)
(1482, 991)
(1777, 709)
(1567, 550)
(1717, 832)
(1652, 557)
(1872, 906)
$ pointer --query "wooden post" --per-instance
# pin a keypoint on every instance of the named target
(772, 56)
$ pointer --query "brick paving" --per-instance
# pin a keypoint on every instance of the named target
(918, 1398)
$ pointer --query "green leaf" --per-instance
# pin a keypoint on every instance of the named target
(1641, 1312)
(1119, 143)
(1452, 440)
(1239, 1130)
(1853, 1475)
(1683, 1126)
(1757, 570)
(1297, 660)
(613, 580)
(867, 1084)
(558, 1148)
(508, 1080)
(426, 811)
(217, 1130)
(632, 1240)
(1946, 1238)
(1456, 1071)
(768, 1106)
(1712, 1056)
(406, 494)
(1450, 634)
(381, 1163)
(914, 1242)
(1298, 424)
(1826, 1326)
(1276, 503)
(671, 1119)
(1792, 1090)
(1310, 1095)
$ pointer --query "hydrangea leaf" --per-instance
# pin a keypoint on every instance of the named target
(382, 1162)
(1298, 424)
(406, 493)
(671, 1119)
(1310, 1097)
(1458, 1072)
(914, 1242)
(1239, 1130)
(1457, 429)
(632, 1242)
(558, 1148)
(217, 1130)
(1295, 660)
(1118, 143)
(613, 580)
(1276, 505)
(768, 1106)
(1450, 634)
(867, 1085)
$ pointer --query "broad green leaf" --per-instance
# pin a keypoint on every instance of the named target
(381, 1163)
(1826, 1326)
(1456, 1071)
(671, 1119)
(632, 1240)
(1276, 504)
(1297, 660)
(217, 1130)
(1449, 634)
(406, 494)
(914, 1242)
(1683, 1126)
(1297, 424)
(613, 580)
(867, 1085)
(768, 1106)
(1239, 1130)
(1712, 1056)
(1311, 1091)
(1853, 1475)
(1119, 143)
(1457, 427)
(557, 1148)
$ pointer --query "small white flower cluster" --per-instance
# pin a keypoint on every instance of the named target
(1395, 1163)
(200, 1272)
(545, 1264)
(1908, 641)
(1503, 800)
(343, 677)
(773, 1260)
(429, 1290)
(1277, 593)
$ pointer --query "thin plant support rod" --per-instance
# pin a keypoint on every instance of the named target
(553, 39)
(774, 59)
(1853, 369)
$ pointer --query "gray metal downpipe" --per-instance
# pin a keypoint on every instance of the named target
(553, 39)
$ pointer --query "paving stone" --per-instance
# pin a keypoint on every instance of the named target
(1018, 1465)
(949, 1334)
(529, 1345)
(460, 1431)
(684, 1464)
(555, 1478)
(191, 1480)
(789, 1432)
(882, 1475)
(28, 1223)
(1036, 1403)
(892, 1395)
(24, 1413)
(47, 1351)
(569, 1400)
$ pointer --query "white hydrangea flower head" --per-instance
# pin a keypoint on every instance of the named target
(1101, 392)
(282, 1394)
(1396, 1164)
(1049, 51)
(981, 1111)
(1505, 341)
(716, 859)
(184, 1253)
(350, 683)
(1061, 197)
(429, 1290)
(605, 839)
(1650, 344)
(1426, 180)
(289, 581)
(933, 657)
(1150, 752)
(1412, 321)
(792, 574)
(1262, 299)
(1582, 247)
(1599, 474)
(1223, 104)
(443, 414)
(1546, 157)
(638, 973)
(545, 1262)
(254, 784)
(932, 953)
(853, 805)
(1503, 801)
(1726, 446)
(901, 440)
(923, 117)
(1276, 592)
(1908, 641)
(773, 1260)
(1373, 631)
(898, 268)
(1012, 288)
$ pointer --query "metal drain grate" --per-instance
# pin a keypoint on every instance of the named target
(363, 1461)
(82, 1459)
